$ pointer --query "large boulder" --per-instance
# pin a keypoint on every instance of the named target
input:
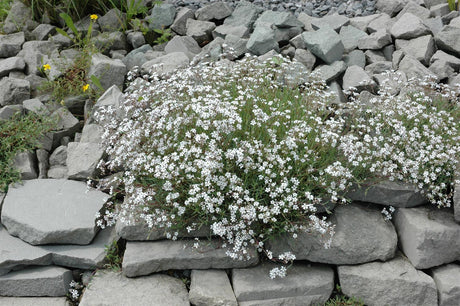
(357, 77)
(325, 43)
(162, 16)
(13, 91)
(390, 7)
(244, 14)
(108, 71)
(262, 40)
(448, 41)
(82, 159)
(10, 45)
(421, 48)
(167, 63)
(11, 64)
(447, 279)
(185, 44)
(350, 37)
(409, 26)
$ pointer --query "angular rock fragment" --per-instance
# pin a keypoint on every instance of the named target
(356, 77)
(447, 279)
(214, 11)
(409, 26)
(211, 287)
(325, 43)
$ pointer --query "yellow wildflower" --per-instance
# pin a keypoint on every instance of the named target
(93, 17)
(46, 67)
(85, 87)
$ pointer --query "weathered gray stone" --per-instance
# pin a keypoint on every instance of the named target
(306, 58)
(43, 162)
(230, 29)
(422, 48)
(453, 23)
(447, 279)
(10, 45)
(390, 7)
(211, 287)
(8, 111)
(57, 172)
(335, 88)
(38, 214)
(428, 236)
(397, 57)
(65, 120)
(26, 164)
(162, 16)
(278, 19)
(109, 41)
(13, 91)
(394, 282)
(297, 42)
(456, 198)
(140, 58)
(434, 24)
(35, 106)
(330, 72)
(439, 10)
(92, 133)
(82, 159)
(283, 35)
(376, 239)
(397, 194)
(245, 14)
(446, 19)
(378, 67)
(448, 41)
(36, 53)
(335, 22)
(143, 258)
(135, 39)
(306, 20)
(414, 69)
(325, 43)
(200, 30)
(235, 45)
(384, 21)
(59, 156)
(11, 64)
(452, 61)
(113, 20)
(17, 18)
(43, 31)
(185, 44)
(361, 22)
(416, 9)
(180, 20)
(442, 70)
(262, 40)
(375, 41)
(33, 301)
(431, 3)
(112, 288)
(350, 37)
(112, 97)
(214, 11)
(36, 281)
(409, 26)
(355, 57)
(167, 63)
(303, 285)
(213, 50)
(356, 77)
(108, 71)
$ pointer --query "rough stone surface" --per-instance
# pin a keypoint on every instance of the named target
(211, 287)
(143, 258)
(108, 71)
(43, 162)
(325, 43)
(162, 16)
(356, 77)
(47, 211)
(331, 72)
(416, 9)
(428, 236)
(43, 31)
(355, 58)
(8, 111)
(200, 30)
(214, 11)
(303, 285)
(384, 21)
(409, 26)
(244, 14)
(447, 279)
(26, 164)
(306, 58)
(395, 282)
(112, 20)
(167, 63)
(110, 41)
(184, 44)
(11, 64)
(335, 22)
(390, 7)
(376, 239)
(135, 39)
(421, 48)
(10, 45)
(262, 40)
(33, 301)
(82, 159)
(59, 156)
(447, 40)
(180, 21)
(17, 18)
(227, 29)
(36, 281)
(413, 68)
(13, 91)
(277, 19)
(36, 53)
(112, 288)
(350, 37)
(375, 41)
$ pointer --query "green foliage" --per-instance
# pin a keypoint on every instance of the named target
(78, 39)
(452, 5)
(5, 6)
(113, 256)
(19, 134)
(164, 36)
(339, 299)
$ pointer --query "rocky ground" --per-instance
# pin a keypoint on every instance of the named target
(48, 236)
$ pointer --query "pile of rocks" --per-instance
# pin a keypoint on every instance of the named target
(48, 234)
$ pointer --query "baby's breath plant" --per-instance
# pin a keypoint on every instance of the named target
(231, 146)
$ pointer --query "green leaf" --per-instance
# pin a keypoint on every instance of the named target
(68, 20)
(96, 82)
(62, 32)
(451, 4)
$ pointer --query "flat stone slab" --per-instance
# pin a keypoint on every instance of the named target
(303, 285)
(143, 258)
(33, 301)
(111, 288)
(36, 281)
(361, 235)
(447, 279)
(211, 287)
(46, 211)
(428, 236)
(395, 282)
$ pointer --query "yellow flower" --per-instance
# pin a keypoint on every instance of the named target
(93, 17)
(85, 87)
(46, 67)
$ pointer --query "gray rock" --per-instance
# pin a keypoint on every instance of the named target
(26, 164)
(447, 279)
(92, 133)
(112, 97)
(422, 48)
(447, 40)
(59, 156)
(108, 71)
(452, 61)
(43, 162)
(13, 91)
(38, 214)
(180, 20)
(278, 19)
(57, 172)
(82, 159)
(384, 21)
(36, 53)
(390, 7)
(8, 111)
(356, 77)
(306, 58)
(10, 45)
(378, 68)
(350, 37)
(456, 198)
(397, 57)
(431, 3)
(230, 29)
(200, 30)
(214, 11)
(82, 26)
(112, 288)
(392, 83)
(409, 26)
(330, 72)
(33, 301)
(17, 18)
(361, 22)
(245, 14)
(167, 63)
(428, 236)
(213, 50)
(335, 88)
(416, 9)
(185, 44)
(143, 258)
(374, 41)
(140, 58)
(16, 253)
(376, 239)
(135, 39)
(113, 20)
(262, 40)
(65, 120)
(394, 282)
(11, 64)
(297, 42)
(442, 70)
(109, 41)
(303, 285)
(283, 35)
(397, 194)
(453, 23)
(211, 287)
(306, 20)
(36, 281)
(235, 45)
(414, 69)
(439, 10)
(446, 19)
(325, 43)
(162, 16)
(43, 31)
(434, 24)
(61, 41)
(355, 58)
(335, 22)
